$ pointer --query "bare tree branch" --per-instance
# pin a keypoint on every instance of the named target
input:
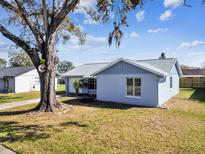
(31, 25)
(30, 51)
(66, 8)
(8, 6)
(21, 10)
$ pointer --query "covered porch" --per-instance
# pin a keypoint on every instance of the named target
(88, 85)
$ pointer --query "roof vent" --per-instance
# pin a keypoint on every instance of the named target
(163, 56)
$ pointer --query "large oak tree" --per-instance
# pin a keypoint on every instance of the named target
(37, 25)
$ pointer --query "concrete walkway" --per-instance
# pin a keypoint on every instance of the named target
(17, 104)
(21, 103)
(4, 150)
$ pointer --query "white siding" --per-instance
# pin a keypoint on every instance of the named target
(164, 90)
(27, 82)
(113, 88)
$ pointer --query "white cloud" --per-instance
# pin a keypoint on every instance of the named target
(197, 56)
(140, 16)
(4, 49)
(185, 57)
(91, 40)
(91, 43)
(189, 45)
(89, 5)
(166, 15)
(134, 34)
(173, 3)
(157, 30)
(3, 44)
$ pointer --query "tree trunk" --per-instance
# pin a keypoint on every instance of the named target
(48, 101)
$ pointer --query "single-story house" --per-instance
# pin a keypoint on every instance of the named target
(19, 79)
(149, 82)
(192, 78)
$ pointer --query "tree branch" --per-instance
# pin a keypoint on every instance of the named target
(21, 11)
(57, 20)
(8, 6)
(31, 25)
(30, 51)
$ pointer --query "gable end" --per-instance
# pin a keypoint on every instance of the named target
(124, 68)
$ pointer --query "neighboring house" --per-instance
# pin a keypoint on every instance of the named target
(19, 79)
(143, 82)
(192, 78)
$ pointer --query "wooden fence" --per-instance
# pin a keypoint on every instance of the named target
(192, 82)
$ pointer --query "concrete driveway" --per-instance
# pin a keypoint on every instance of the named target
(17, 104)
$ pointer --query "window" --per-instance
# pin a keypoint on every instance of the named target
(133, 87)
(36, 81)
(170, 82)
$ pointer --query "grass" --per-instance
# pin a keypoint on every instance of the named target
(14, 97)
(96, 127)
(61, 89)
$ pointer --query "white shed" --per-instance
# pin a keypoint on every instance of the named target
(19, 79)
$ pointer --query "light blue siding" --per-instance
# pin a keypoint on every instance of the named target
(114, 88)
(124, 68)
(155, 90)
(67, 85)
(164, 90)
(112, 85)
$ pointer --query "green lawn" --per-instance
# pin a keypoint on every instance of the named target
(95, 127)
(61, 89)
(12, 97)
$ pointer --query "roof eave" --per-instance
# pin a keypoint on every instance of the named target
(129, 62)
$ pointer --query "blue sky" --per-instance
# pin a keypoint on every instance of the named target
(159, 26)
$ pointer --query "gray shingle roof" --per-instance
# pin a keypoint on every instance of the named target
(14, 71)
(86, 70)
(161, 66)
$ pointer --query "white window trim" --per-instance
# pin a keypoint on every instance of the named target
(133, 96)
(128, 96)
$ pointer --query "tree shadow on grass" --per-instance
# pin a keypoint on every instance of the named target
(73, 123)
(7, 99)
(199, 95)
(13, 113)
(89, 102)
(12, 131)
